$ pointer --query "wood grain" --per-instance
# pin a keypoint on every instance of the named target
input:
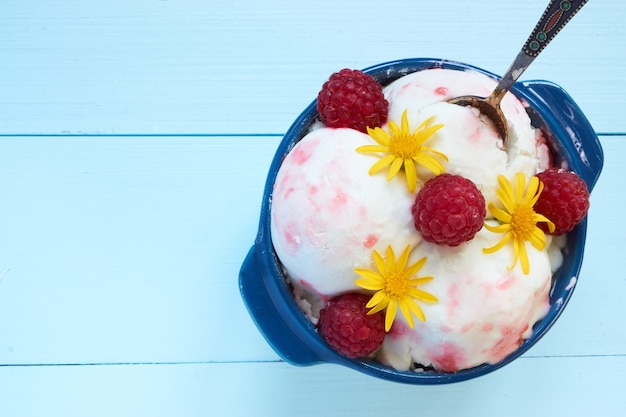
(135, 138)
(243, 66)
(127, 249)
(538, 387)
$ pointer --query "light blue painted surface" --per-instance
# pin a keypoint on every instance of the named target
(119, 255)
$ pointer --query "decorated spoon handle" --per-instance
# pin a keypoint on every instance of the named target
(554, 18)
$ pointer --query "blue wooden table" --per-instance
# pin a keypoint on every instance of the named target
(135, 137)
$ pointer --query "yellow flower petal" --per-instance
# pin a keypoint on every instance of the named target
(371, 280)
(501, 215)
(380, 136)
(420, 281)
(390, 260)
(540, 218)
(426, 133)
(501, 228)
(535, 187)
(505, 193)
(433, 151)
(538, 238)
(390, 315)
(520, 253)
(394, 130)
(499, 245)
(425, 123)
(411, 174)
(381, 163)
(433, 165)
(406, 312)
(404, 121)
(412, 270)
(371, 148)
(417, 310)
(377, 308)
(518, 189)
(423, 295)
(394, 168)
(380, 263)
(377, 303)
(404, 258)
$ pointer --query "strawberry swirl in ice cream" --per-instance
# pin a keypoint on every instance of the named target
(425, 214)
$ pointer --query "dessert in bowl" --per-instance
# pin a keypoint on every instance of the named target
(340, 216)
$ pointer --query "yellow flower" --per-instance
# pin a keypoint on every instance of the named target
(518, 219)
(403, 148)
(395, 286)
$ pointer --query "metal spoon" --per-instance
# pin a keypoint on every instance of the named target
(554, 18)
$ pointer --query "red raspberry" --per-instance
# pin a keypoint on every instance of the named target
(351, 98)
(347, 328)
(564, 200)
(449, 210)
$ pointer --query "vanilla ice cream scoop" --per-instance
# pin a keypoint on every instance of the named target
(485, 309)
(328, 214)
(468, 139)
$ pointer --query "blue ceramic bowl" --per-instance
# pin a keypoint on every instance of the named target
(268, 297)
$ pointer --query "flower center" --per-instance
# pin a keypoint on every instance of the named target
(523, 222)
(404, 146)
(396, 285)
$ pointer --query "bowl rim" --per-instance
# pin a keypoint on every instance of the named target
(563, 281)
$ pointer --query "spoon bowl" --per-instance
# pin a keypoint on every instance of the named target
(490, 107)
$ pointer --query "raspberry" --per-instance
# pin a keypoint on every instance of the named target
(564, 200)
(351, 98)
(347, 328)
(448, 210)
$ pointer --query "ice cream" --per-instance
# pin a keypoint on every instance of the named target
(329, 214)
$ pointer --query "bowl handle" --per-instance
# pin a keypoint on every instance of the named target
(265, 314)
(583, 140)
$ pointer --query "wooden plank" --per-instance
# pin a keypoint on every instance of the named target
(250, 67)
(535, 387)
(127, 249)
(119, 248)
